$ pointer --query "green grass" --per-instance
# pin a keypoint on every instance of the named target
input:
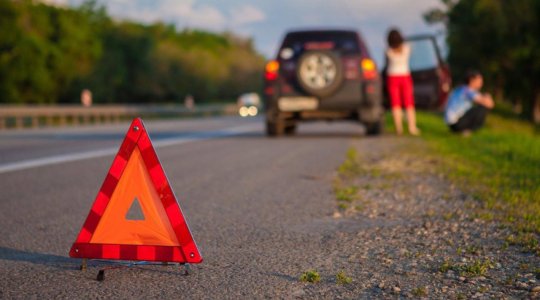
(346, 194)
(358, 208)
(499, 165)
(419, 292)
(527, 241)
(342, 278)
(476, 268)
(310, 276)
(343, 206)
(351, 166)
(472, 269)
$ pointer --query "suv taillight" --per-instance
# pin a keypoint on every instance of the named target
(369, 69)
(271, 70)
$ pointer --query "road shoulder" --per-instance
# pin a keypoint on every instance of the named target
(406, 230)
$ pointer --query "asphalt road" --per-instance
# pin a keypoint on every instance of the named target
(260, 209)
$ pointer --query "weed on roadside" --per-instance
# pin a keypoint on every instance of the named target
(483, 289)
(342, 278)
(486, 216)
(477, 268)
(347, 194)
(311, 276)
(499, 165)
(474, 269)
(510, 279)
(449, 216)
(419, 292)
(527, 241)
(351, 166)
(343, 206)
(473, 250)
(445, 266)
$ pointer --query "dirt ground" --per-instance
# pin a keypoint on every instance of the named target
(409, 232)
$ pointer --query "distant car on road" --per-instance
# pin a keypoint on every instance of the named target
(322, 74)
(431, 75)
(248, 104)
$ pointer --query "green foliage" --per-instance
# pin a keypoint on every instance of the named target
(476, 268)
(310, 276)
(419, 292)
(445, 266)
(527, 241)
(49, 54)
(43, 49)
(343, 206)
(498, 164)
(473, 269)
(500, 38)
(347, 194)
(351, 166)
(342, 278)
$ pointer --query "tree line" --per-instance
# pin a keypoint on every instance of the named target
(501, 38)
(49, 54)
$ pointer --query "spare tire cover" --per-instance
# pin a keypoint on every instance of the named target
(319, 73)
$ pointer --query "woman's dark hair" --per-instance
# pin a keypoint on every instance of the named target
(394, 38)
(470, 75)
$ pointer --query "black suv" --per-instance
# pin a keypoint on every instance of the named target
(322, 74)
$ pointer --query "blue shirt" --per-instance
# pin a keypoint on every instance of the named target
(459, 102)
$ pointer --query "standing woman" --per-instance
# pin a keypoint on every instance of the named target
(399, 82)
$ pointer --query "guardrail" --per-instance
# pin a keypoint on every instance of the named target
(14, 117)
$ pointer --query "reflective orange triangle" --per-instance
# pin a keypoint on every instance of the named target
(114, 228)
(161, 235)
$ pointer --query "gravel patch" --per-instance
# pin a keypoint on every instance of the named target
(411, 233)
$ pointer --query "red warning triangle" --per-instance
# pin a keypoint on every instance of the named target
(136, 180)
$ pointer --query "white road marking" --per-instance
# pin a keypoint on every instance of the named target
(70, 157)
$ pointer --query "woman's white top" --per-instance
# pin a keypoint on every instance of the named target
(398, 61)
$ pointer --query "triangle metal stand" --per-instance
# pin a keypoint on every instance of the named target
(101, 272)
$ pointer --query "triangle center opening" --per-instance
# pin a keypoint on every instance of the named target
(135, 212)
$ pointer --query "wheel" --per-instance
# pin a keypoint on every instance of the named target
(275, 128)
(290, 129)
(319, 73)
(375, 128)
(275, 124)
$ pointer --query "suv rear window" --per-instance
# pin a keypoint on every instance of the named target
(345, 42)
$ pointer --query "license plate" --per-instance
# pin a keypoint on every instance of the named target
(298, 103)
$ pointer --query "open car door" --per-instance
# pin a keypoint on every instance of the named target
(431, 75)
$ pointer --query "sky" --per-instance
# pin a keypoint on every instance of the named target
(267, 21)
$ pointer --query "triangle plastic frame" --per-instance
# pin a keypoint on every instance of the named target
(186, 252)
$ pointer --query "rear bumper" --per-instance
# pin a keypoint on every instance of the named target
(355, 100)
(352, 95)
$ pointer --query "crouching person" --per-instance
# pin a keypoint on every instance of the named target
(467, 107)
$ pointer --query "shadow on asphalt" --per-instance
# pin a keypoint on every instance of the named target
(50, 260)
(282, 276)
(67, 263)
